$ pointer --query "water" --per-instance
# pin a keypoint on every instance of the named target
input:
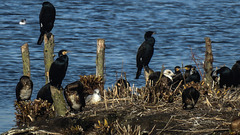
(180, 26)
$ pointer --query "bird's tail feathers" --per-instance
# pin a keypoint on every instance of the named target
(40, 39)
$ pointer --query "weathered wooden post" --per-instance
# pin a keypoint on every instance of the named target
(58, 101)
(48, 54)
(100, 60)
(26, 60)
(208, 62)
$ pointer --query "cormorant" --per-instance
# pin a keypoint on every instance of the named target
(236, 73)
(74, 95)
(145, 52)
(95, 98)
(225, 76)
(122, 84)
(177, 77)
(194, 76)
(46, 20)
(187, 72)
(24, 89)
(45, 93)
(58, 69)
(190, 97)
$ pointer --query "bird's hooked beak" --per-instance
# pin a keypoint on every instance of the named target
(65, 52)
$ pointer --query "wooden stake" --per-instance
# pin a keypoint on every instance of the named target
(100, 60)
(48, 54)
(208, 62)
(26, 60)
(58, 101)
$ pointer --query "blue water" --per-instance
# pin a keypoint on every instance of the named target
(180, 27)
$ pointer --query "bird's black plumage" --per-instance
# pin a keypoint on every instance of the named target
(74, 95)
(177, 77)
(46, 20)
(194, 75)
(145, 52)
(45, 93)
(58, 69)
(190, 97)
(226, 76)
(236, 73)
(24, 89)
(187, 71)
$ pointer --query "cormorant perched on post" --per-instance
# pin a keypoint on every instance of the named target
(145, 52)
(225, 76)
(45, 93)
(236, 73)
(74, 95)
(58, 69)
(190, 97)
(24, 89)
(46, 20)
(194, 76)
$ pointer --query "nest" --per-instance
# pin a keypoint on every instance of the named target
(31, 111)
(92, 82)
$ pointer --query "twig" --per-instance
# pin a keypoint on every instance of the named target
(166, 124)
(152, 130)
(199, 131)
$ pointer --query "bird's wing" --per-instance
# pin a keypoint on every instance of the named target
(140, 54)
(18, 88)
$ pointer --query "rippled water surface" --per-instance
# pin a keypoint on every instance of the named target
(180, 27)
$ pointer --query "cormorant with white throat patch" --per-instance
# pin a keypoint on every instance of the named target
(24, 89)
(145, 52)
(74, 95)
(46, 20)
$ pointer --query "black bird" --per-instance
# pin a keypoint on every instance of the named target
(45, 93)
(58, 69)
(177, 77)
(194, 76)
(74, 95)
(187, 72)
(46, 20)
(236, 73)
(24, 89)
(189, 98)
(122, 83)
(145, 52)
(224, 76)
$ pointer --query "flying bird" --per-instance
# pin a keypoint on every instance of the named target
(46, 20)
(145, 52)
(58, 69)
(24, 89)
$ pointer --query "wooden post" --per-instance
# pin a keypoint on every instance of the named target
(48, 54)
(26, 60)
(100, 57)
(100, 60)
(208, 62)
(58, 101)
